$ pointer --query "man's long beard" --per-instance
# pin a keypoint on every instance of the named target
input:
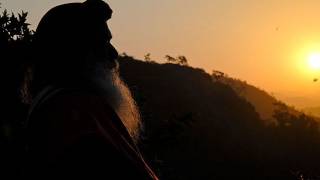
(119, 97)
(109, 84)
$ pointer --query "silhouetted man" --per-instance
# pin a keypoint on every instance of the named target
(83, 122)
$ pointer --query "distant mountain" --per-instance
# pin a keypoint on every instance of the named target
(300, 100)
(314, 111)
(264, 103)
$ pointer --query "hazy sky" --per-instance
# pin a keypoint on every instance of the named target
(265, 42)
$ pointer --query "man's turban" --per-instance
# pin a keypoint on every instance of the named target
(70, 29)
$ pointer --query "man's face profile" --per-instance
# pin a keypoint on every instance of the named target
(103, 49)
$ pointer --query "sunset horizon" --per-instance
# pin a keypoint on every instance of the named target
(161, 90)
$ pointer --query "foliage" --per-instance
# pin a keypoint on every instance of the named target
(217, 75)
(126, 56)
(13, 28)
(15, 45)
(181, 60)
(147, 57)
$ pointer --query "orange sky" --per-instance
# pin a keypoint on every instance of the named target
(265, 42)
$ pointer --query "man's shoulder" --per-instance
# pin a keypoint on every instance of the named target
(70, 113)
(71, 104)
(73, 98)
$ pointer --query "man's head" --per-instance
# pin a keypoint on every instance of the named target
(69, 38)
(74, 30)
(72, 49)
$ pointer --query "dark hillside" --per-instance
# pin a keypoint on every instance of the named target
(191, 121)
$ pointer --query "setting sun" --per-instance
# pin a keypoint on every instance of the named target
(314, 61)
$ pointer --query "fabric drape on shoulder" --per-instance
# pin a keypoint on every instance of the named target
(76, 133)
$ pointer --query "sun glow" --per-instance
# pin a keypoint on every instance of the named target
(314, 61)
(307, 61)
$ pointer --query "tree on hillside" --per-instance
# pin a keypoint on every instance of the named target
(170, 59)
(147, 57)
(124, 55)
(181, 60)
(217, 75)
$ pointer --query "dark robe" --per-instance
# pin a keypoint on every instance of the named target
(74, 133)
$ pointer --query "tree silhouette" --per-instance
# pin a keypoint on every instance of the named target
(181, 60)
(147, 57)
(15, 47)
(170, 59)
(124, 55)
(217, 75)
(14, 28)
